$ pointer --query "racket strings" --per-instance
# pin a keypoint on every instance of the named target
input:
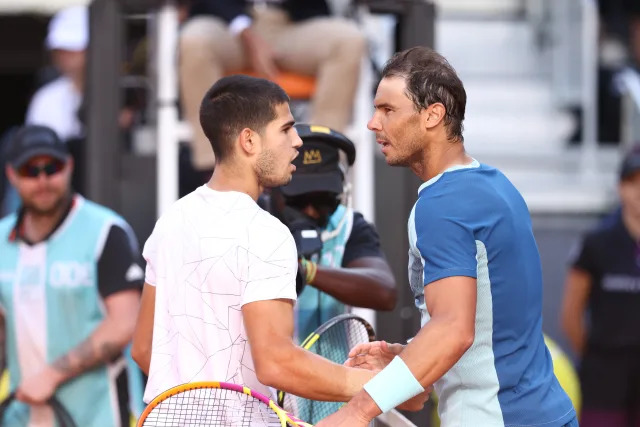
(333, 344)
(211, 407)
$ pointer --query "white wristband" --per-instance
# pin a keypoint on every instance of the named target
(393, 386)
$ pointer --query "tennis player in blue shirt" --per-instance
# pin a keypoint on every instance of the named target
(474, 269)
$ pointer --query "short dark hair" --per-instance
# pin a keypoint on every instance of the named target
(430, 79)
(234, 103)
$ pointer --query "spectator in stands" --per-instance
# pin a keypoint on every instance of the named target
(56, 104)
(297, 35)
(621, 23)
(70, 279)
(601, 310)
(344, 264)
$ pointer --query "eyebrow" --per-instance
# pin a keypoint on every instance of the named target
(383, 105)
(289, 124)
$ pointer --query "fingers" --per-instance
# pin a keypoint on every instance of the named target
(364, 348)
(362, 361)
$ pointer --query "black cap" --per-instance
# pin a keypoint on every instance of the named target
(32, 140)
(630, 163)
(318, 164)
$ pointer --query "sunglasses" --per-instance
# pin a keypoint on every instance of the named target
(33, 171)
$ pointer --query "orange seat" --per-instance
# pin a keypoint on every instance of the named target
(297, 86)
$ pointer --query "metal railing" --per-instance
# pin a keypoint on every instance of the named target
(628, 82)
(569, 29)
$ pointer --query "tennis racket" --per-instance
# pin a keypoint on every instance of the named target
(332, 340)
(215, 404)
(16, 413)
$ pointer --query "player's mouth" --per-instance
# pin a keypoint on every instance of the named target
(384, 144)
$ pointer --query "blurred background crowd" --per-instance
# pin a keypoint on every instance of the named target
(553, 101)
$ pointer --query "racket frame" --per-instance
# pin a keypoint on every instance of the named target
(281, 413)
(315, 336)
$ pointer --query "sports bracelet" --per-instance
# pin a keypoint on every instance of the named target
(312, 269)
(393, 386)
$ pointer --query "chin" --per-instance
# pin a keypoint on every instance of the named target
(391, 161)
(276, 182)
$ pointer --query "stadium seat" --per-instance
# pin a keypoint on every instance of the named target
(297, 86)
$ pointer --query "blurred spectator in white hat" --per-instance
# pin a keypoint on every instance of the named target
(56, 104)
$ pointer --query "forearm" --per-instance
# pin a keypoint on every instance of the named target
(311, 376)
(142, 359)
(360, 287)
(104, 345)
(435, 349)
(575, 330)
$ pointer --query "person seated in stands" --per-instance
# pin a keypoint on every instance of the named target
(300, 36)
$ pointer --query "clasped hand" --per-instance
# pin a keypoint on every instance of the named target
(375, 356)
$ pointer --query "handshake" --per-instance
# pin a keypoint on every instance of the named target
(375, 356)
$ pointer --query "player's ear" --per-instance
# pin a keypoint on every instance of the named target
(433, 115)
(248, 141)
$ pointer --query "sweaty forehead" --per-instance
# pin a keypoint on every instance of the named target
(391, 89)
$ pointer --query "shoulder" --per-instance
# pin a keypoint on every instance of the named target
(98, 212)
(603, 234)
(270, 225)
(59, 87)
(360, 224)
(6, 225)
(103, 218)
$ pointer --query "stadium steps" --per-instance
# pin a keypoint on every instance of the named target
(512, 121)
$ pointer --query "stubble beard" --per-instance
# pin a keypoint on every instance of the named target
(266, 171)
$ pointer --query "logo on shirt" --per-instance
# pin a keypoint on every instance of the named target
(621, 283)
(134, 273)
(70, 274)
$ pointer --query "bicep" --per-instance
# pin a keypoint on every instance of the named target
(144, 323)
(122, 306)
(372, 262)
(454, 299)
(268, 323)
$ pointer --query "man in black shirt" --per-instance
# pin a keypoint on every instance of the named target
(604, 281)
(341, 262)
(299, 36)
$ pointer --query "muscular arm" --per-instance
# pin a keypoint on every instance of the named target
(366, 282)
(106, 342)
(281, 364)
(143, 334)
(574, 303)
(443, 340)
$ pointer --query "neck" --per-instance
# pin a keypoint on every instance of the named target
(438, 157)
(78, 83)
(38, 226)
(632, 223)
(231, 177)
